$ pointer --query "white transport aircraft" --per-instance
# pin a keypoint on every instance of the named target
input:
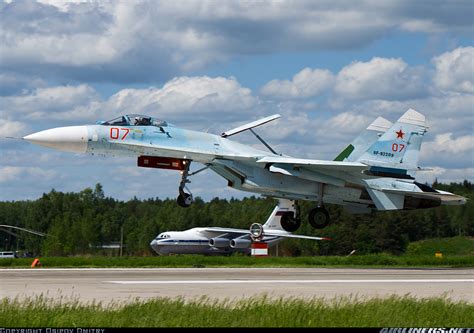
(215, 240)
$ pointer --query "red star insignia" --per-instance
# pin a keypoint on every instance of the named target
(400, 134)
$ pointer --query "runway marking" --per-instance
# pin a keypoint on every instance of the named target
(289, 281)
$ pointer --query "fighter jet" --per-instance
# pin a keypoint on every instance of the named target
(215, 240)
(376, 172)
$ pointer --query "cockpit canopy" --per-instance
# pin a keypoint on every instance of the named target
(134, 120)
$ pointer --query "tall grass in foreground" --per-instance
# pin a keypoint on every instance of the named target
(254, 312)
(368, 260)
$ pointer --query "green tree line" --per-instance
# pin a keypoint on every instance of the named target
(79, 223)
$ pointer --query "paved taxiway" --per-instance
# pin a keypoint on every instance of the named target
(128, 284)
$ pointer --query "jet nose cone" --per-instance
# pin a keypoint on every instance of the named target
(71, 138)
(154, 245)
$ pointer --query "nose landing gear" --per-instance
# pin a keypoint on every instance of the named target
(185, 199)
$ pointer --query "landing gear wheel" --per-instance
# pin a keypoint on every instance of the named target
(289, 222)
(318, 218)
(185, 199)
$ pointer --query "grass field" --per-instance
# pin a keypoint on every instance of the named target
(373, 260)
(447, 246)
(254, 312)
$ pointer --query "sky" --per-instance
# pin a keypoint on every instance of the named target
(329, 68)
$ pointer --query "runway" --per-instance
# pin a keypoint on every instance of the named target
(106, 285)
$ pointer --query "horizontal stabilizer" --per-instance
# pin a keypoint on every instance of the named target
(386, 201)
(250, 125)
(445, 198)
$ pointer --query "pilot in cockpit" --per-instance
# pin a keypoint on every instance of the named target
(142, 121)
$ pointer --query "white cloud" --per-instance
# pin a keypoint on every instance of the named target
(306, 83)
(446, 151)
(12, 128)
(47, 102)
(455, 70)
(380, 78)
(16, 84)
(61, 4)
(445, 175)
(15, 173)
(149, 41)
(9, 173)
(444, 113)
(190, 99)
(348, 122)
(444, 143)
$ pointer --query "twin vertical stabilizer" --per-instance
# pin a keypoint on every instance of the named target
(399, 147)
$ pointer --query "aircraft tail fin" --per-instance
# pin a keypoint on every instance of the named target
(274, 220)
(397, 150)
(365, 139)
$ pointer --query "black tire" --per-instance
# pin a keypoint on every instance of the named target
(319, 218)
(289, 222)
(183, 201)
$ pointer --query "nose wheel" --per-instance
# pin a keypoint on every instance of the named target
(185, 199)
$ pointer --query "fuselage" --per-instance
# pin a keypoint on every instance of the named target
(196, 241)
(232, 160)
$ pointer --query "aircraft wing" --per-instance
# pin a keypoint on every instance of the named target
(274, 233)
(330, 172)
(290, 235)
(316, 165)
(226, 230)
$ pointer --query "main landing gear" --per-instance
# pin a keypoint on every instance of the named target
(318, 217)
(290, 222)
(184, 199)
